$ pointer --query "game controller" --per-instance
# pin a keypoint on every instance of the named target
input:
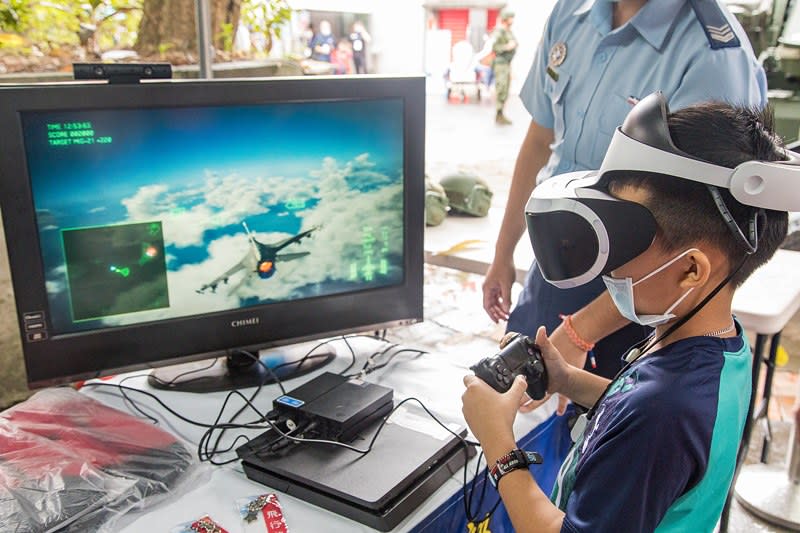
(519, 356)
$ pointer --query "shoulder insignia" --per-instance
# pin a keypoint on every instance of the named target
(716, 27)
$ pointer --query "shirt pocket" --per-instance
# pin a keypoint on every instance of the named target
(611, 115)
(557, 93)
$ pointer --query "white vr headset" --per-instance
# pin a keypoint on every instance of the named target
(579, 232)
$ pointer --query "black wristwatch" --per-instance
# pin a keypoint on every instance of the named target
(513, 460)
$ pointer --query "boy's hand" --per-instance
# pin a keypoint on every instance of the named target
(557, 368)
(527, 404)
(568, 350)
(489, 414)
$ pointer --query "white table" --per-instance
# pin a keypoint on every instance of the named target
(764, 304)
(436, 379)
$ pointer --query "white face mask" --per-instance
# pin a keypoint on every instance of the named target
(621, 291)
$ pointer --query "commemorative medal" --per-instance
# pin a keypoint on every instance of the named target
(558, 53)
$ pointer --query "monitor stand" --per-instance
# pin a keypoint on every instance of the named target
(238, 370)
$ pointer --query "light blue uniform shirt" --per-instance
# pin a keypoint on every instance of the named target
(663, 47)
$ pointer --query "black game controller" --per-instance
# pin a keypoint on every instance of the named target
(520, 356)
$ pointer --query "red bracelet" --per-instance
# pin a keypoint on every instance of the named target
(576, 339)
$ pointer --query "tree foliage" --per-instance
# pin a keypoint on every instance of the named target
(87, 28)
(92, 24)
(266, 17)
(165, 25)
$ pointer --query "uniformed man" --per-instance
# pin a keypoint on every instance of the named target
(595, 60)
(359, 39)
(504, 46)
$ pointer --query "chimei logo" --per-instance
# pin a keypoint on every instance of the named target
(245, 322)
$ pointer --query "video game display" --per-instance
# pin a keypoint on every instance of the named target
(151, 214)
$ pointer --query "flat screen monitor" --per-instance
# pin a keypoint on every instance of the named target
(163, 222)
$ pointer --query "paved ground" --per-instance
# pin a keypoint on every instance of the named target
(460, 136)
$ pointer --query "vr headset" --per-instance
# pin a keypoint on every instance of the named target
(579, 231)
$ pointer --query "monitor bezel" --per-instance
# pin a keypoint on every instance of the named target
(75, 356)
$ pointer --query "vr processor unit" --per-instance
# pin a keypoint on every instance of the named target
(406, 464)
(337, 407)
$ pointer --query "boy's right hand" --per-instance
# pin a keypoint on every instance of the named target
(527, 404)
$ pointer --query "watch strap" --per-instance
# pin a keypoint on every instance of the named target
(516, 459)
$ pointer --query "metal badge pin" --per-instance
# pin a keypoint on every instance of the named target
(254, 507)
(557, 55)
(206, 525)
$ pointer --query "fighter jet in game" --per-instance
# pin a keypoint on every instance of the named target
(259, 261)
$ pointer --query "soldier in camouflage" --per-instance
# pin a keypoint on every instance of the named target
(504, 47)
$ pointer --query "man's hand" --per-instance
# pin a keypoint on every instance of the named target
(497, 289)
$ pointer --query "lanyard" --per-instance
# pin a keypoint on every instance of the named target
(636, 352)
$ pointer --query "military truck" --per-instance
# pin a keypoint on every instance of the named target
(773, 27)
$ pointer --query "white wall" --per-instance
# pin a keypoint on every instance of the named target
(398, 36)
(529, 21)
(398, 29)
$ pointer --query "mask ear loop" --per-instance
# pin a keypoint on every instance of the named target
(750, 241)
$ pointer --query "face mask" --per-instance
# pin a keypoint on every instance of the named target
(621, 291)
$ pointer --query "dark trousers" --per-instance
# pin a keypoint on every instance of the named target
(360, 62)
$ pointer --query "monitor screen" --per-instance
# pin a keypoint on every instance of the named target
(149, 224)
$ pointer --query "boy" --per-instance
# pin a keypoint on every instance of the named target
(658, 447)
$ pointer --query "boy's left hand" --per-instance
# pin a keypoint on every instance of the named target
(489, 414)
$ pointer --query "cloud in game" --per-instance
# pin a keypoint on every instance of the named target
(187, 214)
(348, 219)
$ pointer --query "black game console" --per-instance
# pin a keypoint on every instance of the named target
(409, 460)
(379, 489)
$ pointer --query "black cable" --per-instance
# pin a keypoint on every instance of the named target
(467, 494)
(206, 453)
(214, 450)
(174, 380)
(203, 452)
(375, 436)
(209, 454)
(352, 354)
(370, 366)
(395, 354)
(132, 404)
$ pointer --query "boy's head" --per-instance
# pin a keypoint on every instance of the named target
(685, 211)
(698, 198)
